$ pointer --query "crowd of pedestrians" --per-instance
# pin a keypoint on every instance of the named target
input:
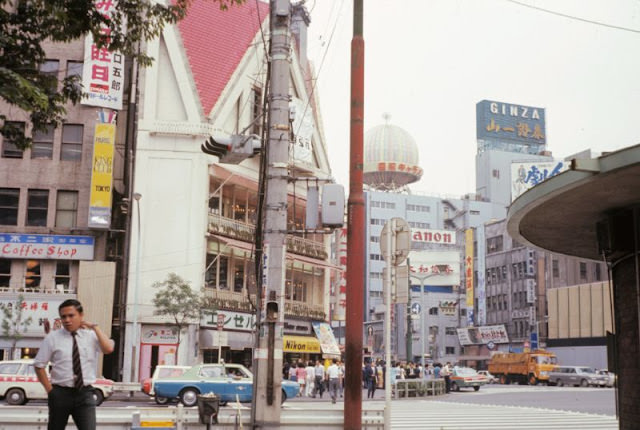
(316, 378)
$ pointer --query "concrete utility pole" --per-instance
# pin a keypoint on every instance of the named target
(268, 356)
(355, 234)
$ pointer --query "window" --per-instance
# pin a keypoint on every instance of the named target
(256, 110)
(238, 277)
(67, 209)
(598, 275)
(63, 275)
(74, 68)
(5, 272)
(450, 350)
(9, 147)
(418, 208)
(583, 271)
(375, 239)
(382, 205)
(32, 278)
(37, 205)
(9, 199)
(375, 257)
(495, 173)
(43, 143)
(419, 224)
(71, 142)
(375, 275)
(504, 273)
(556, 269)
(223, 263)
(433, 311)
(494, 244)
(463, 312)
(50, 71)
(450, 331)
(377, 221)
(474, 212)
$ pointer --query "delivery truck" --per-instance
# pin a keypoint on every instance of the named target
(523, 367)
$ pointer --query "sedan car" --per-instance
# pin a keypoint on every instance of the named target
(576, 375)
(225, 380)
(161, 372)
(610, 380)
(19, 384)
(464, 377)
(490, 378)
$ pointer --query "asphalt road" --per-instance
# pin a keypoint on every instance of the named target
(575, 399)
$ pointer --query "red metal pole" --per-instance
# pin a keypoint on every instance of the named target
(355, 234)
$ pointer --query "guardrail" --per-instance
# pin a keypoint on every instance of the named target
(181, 418)
(418, 388)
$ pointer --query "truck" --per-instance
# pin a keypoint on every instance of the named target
(523, 367)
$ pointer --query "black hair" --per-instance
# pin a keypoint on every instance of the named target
(71, 302)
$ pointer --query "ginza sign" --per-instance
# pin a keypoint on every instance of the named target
(447, 237)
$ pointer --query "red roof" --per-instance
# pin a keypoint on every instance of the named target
(215, 41)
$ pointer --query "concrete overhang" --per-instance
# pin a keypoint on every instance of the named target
(560, 214)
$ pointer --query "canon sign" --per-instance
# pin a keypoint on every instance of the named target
(446, 237)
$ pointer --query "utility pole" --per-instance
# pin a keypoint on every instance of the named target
(409, 322)
(355, 233)
(268, 356)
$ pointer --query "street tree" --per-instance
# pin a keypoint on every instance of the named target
(176, 299)
(25, 26)
(14, 324)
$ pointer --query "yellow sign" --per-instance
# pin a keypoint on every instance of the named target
(468, 266)
(301, 344)
(168, 424)
(102, 176)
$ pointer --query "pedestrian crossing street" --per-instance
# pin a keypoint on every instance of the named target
(439, 415)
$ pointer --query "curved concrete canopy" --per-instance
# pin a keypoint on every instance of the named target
(560, 214)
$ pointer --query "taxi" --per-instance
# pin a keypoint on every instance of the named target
(19, 384)
(466, 377)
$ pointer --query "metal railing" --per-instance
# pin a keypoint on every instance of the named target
(109, 418)
(240, 230)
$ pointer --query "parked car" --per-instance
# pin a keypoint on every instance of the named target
(19, 384)
(464, 377)
(161, 372)
(576, 375)
(611, 378)
(224, 380)
(490, 378)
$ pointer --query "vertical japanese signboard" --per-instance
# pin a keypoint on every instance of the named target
(480, 284)
(101, 176)
(340, 293)
(468, 271)
(103, 71)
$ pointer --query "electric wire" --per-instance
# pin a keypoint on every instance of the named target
(576, 18)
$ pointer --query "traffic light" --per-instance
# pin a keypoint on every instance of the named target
(232, 149)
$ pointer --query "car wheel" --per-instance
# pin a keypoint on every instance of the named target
(162, 400)
(284, 397)
(15, 396)
(559, 383)
(189, 396)
(584, 383)
(98, 397)
(533, 380)
(476, 388)
(454, 387)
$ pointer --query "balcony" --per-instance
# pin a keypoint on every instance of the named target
(246, 232)
(238, 302)
(60, 289)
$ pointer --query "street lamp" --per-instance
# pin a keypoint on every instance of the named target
(135, 342)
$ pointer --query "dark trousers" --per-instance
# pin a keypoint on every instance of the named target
(318, 386)
(371, 388)
(65, 401)
(447, 383)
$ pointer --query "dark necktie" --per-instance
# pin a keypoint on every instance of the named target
(77, 368)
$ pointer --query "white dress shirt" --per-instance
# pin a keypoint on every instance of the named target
(57, 349)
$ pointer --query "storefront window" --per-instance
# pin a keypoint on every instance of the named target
(210, 272)
(32, 278)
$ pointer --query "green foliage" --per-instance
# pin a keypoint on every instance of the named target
(26, 25)
(14, 325)
(176, 299)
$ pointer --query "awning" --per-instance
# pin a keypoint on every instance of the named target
(301, 344)
(245, 246)
(233, 339)
(312, 261)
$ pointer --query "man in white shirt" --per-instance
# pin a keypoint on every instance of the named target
(319, 382)
(333, 374)
(311, 374)
(73, 353)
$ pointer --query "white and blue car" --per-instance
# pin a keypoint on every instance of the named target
(224, 380)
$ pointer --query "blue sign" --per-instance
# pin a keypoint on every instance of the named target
(534, 340)
(415, 308)
(46, 246)
(508, 122)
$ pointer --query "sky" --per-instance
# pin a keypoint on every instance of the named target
(428, 62)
